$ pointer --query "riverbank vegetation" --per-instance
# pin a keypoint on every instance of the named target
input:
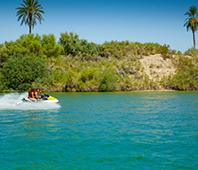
(74, 64)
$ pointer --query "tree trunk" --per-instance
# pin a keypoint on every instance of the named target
(30, 24)
(194, 41)
(30, 29)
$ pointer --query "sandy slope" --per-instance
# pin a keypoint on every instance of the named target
(157, 67)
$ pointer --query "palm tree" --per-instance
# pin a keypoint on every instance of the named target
(191, 22)
(29, 13)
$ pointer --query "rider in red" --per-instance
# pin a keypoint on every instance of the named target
(33, 94)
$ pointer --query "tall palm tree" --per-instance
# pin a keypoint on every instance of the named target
(191, 22)
(29, 13)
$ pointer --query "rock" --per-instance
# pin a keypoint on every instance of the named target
(160, 67)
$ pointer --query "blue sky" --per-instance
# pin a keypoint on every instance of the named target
(104, 20)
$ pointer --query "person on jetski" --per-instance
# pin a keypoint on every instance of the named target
(33, 94)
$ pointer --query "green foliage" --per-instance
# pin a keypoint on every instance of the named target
(133, 50)
(2, 87)
(50, 47)
(3, 55)
(186, 77)
(108, 81)
(192, 52)
(89, 74)
(191, 22)
(88, 50)
(75, 46)
(70, 43)
(114, 49)
(30, 45)
(19, 73)
(29, 13)
(75, 64)
(25, 45)
(71, 81)
(89, 79)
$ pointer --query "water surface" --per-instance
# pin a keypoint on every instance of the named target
(140, 130)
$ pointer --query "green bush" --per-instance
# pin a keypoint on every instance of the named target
(186, 77)
(19, 73)
(127, 49)
(1, 82)
(71, 81)
(3, 55)
(114, 49)
(108, 81)
(75, 46)
(192, 52)
(88, 50)
(29, 45)
(70, 43)
(26, 45)
(89, 74)
(50, 47)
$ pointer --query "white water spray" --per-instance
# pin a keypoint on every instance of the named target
(13, 102)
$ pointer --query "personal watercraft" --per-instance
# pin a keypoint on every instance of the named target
(45, 98)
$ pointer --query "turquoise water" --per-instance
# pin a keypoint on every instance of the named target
(110, 131)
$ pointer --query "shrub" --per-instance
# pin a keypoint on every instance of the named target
(186, 77)
(19, 73)
(89, 74)
(50, 47)
(29, 45)
(114, 49)
(123, 49)
(71, 81)
(192, 52)
(108, 81)
(74, 46)
(3, 55)
(70, 43)
(1, 82)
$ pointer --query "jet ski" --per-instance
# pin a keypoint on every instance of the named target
(45, 98)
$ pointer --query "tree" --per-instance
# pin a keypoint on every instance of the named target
(29, 13)
(191, 22)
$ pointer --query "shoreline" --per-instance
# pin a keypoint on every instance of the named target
(134, 91)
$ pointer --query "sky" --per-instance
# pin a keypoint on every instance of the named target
(159, 21)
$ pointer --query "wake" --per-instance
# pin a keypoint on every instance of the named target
(13, 102)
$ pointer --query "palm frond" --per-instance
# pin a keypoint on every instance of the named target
(191, 22)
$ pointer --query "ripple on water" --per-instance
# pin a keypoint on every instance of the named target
(103, 131)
